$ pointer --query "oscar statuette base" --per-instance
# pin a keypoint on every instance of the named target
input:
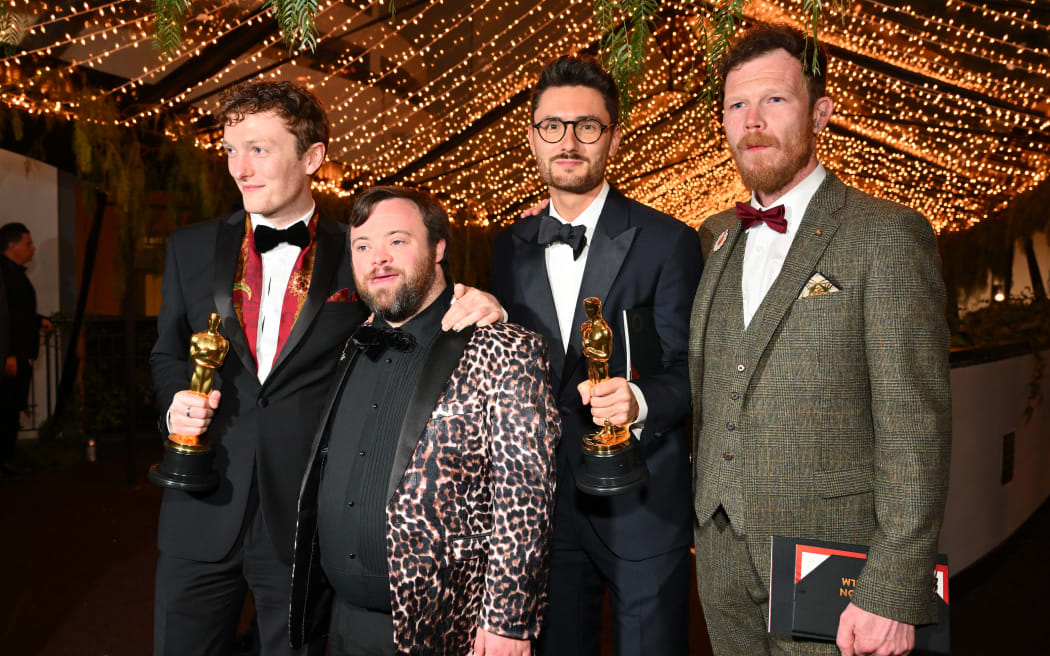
(608, 470)
(185, 468)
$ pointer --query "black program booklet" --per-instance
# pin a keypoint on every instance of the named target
(812, 581)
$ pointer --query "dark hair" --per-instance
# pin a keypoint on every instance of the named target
(578, 71)
(435, 218)
(764, 38)
(302, 110)
(11, 233)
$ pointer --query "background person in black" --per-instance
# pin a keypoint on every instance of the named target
(23, 327)
(634, 259)
(271, 388)
(431, 482)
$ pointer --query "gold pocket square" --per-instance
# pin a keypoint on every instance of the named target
(817, 286)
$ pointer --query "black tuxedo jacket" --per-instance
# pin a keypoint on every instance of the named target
(638, 259)
(261, 428)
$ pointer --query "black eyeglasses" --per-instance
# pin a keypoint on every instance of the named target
(587, 130)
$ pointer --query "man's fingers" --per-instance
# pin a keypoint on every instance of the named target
(479, 643)
(214, 398)
(584, 389)
(459, 289)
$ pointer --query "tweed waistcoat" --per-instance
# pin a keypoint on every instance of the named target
(726, 347)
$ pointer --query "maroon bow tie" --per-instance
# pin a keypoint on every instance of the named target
(773, 217)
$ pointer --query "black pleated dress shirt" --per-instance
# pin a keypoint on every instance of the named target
(352, 501)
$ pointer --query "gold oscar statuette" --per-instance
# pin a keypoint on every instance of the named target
(187, 458)
(612, 463)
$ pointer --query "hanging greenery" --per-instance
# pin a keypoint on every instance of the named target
(628, 25)
(167, 25)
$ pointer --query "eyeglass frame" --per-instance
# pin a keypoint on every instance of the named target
(565, 129)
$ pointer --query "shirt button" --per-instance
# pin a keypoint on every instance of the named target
(350, 503)
(388, 360)
(740, 367)
(730, 426)
(352, 556)
(375, 405)
(728, 455)
(734, 396)
(360, 453)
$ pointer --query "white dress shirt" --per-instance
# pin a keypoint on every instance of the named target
(566, 275)
(767, 249)
(277, 265)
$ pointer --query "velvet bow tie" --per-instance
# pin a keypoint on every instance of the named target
(773, 217)
(267, 238)
(375, 341)
(552, 230)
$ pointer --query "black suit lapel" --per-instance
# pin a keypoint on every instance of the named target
(610, 243)
(329, 253)
(536, 291)
(227, 255)
(441, 362)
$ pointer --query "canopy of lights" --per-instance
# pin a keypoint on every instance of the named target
(941, 105)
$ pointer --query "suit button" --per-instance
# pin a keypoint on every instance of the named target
(263, 402)
(360, 453)
(728, 455)
(352, 556)
(350, 503)
(740, 367)
(734, 396)
(730, 426)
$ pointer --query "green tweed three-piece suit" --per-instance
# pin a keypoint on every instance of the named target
(827, 417)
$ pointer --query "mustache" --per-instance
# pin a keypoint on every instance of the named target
(569, 155)
(381, 271)
(750, 140)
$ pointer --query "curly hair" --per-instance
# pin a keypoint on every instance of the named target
(301, 109)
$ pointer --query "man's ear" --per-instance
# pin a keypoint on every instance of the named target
(314, 157)
(439, 251)
(822, 110)
(614, 142)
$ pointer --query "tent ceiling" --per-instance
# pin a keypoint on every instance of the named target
(939, 105)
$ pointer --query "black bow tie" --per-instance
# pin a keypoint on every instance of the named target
(374, 341)
(267, 238)
(553, 230)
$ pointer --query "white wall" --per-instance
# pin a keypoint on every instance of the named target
(29, 195)
(988, 402)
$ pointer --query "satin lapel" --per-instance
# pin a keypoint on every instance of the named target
(227, 254)
(714, 266)
(611, 242)
(814, 233)
(536, 291)
(330, 244)
(441, 362)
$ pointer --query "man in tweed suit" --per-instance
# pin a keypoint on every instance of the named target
(819, 368)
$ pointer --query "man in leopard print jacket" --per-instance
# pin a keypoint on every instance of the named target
(426, 507)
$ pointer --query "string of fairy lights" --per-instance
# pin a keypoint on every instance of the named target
(940, 106)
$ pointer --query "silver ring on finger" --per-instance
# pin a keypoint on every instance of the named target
(187, 412)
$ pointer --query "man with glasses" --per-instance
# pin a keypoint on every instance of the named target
(593, 241)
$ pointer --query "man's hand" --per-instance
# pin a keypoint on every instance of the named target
(862, 634)
(11, 367)
(537, 208)
(610, 399)
(491, 644)
(45, 326)
(190, 413)
(471, 306)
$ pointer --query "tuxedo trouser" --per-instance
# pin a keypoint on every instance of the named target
(649, 598)
(734, 598)
(198, 604)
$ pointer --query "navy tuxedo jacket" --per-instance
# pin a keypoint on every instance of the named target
(266, 428)
(638, 259)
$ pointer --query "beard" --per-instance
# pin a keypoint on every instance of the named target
(574, 183)
(777, 167)
(397, 304)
